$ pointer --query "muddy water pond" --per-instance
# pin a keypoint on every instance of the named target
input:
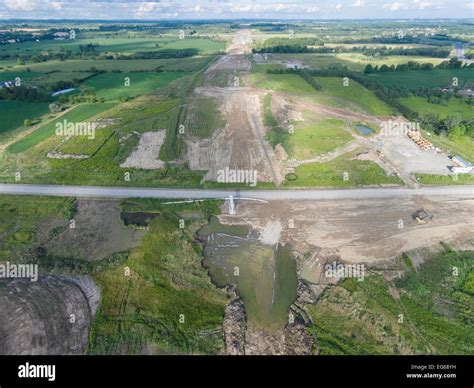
(364, 130)
(265, 275)
(141, 219)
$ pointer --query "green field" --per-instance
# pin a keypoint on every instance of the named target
(110, 86)
(452, 107)
(333, 93)
(353, 61)
(354, 96)
(331, 174)
(117, 45)
(77, 115)
(424, 78)
(14, 113)
(317, 138)
(83, 65)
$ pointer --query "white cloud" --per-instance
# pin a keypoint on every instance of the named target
(393, 6)
(145, 8)
(32, 5)
(358, 3)
(20, 5)
(338, 7)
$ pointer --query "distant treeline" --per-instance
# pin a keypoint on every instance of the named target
(434, 40)
(162, 54)
(90, 51)
(86, 51)
(24, 93)
(298, 46)
(451, 125)
(288, 45)
(453, 63)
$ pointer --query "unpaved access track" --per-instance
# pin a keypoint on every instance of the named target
(241, 144)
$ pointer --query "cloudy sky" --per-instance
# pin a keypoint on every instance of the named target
(225, 9)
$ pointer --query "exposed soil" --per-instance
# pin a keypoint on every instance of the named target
(147, 153)
(50, 316)
(98, 232)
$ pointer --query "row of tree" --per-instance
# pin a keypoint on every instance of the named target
(453, 63)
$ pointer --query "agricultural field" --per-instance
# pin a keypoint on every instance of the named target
(425, 79)
(78, 114)
(113, 86)
(453, 107)
(14, 113)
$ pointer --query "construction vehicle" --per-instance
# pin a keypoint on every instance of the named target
(422, 217)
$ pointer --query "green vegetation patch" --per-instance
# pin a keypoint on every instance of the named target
(318, 137)
(438, 311)
(76, 115)
(340, 172)
(167, 305)
(21, 218)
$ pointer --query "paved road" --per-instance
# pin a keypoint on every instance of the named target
(309, 194)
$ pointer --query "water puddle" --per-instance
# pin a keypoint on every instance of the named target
(265, 275)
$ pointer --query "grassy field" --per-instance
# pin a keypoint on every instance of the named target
(111, 86)
(319, 137)
(353, 61)
(14, 113)
(331, 174)
(354, 96)
(437, 307)
(117, 45)
(314, 136)
(21, 218)
(425, 78)
(77, 115)
(76, 66)
(333, 93)
(168, 304)
(453, 107)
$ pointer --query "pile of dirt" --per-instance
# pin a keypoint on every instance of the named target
(147, 153)
(50, 316)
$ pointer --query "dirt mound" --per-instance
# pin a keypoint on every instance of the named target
(49, 317)
(147, 153)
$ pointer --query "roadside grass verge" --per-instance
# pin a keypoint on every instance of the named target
(340, 172)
